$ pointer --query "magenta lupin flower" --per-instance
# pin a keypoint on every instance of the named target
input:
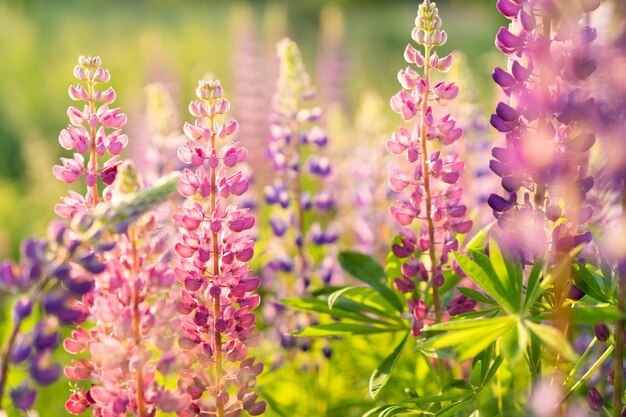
(218, 297)
(431, 193)
(93, 132)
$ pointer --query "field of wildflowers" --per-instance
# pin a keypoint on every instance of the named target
(303, 238)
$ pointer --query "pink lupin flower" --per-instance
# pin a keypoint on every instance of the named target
(133, 310)
(214, 247)
(93, 130)
(430, 192)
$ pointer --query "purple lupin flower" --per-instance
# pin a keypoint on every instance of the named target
(546, 119)
(295, 145)
(430, 192)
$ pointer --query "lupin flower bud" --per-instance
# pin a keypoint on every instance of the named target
(594, 399)
(213, 253)
(431, 192)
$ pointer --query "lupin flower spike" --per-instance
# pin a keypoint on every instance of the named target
(213, 253)
(545, 117)
(54, 273)
(94, 131)
(290, 142)
(134, 314)
(430, 193)
(295, 147)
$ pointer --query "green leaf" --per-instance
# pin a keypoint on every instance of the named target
(321, 306)
(453, 408)
(427, 399)
(476, 242)
(381, 375)
(343, 329)
(553, 339)
(589, 283)
(492, 370)
(469, 336)
(363, 299)
(533, 289)
(443, 353)
(475, 295)
(487, 283)
(596, 314)
(366, 269)
(455, 324)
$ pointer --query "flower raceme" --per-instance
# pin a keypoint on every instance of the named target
(294, 138)
(546, 118)
(93, 131)
(430, 191)
(216, 303)
(135, 316)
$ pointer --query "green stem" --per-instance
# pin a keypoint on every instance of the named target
(618, 366)
(588, 374)
(580, 361)
(428, 200)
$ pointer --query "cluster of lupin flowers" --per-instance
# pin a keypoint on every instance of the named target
(293, 140)
(290, 143)
(431, 188)
(546, 122)
(95, 130)
(51, 277)
(216, 304)
(134, 314)
(550, 120)
(43, 266)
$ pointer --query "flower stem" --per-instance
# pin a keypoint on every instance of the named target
(618, 366)
(216, 272)
(299, 210)
(588, 374)
(141, 407)
(93, 157)
(6, 358)
(581, 360)
(426, 174)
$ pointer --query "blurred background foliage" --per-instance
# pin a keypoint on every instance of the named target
(179, 42)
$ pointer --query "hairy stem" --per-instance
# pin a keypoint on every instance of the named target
(136, 323)
(216, 272)
(618, 366)
(93, 157)
(428, 198)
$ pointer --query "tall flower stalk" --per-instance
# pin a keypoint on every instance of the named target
(93, 131)
(214, 249)
(432, 187)
(303, 236)
(135, 317)
(545, 119)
